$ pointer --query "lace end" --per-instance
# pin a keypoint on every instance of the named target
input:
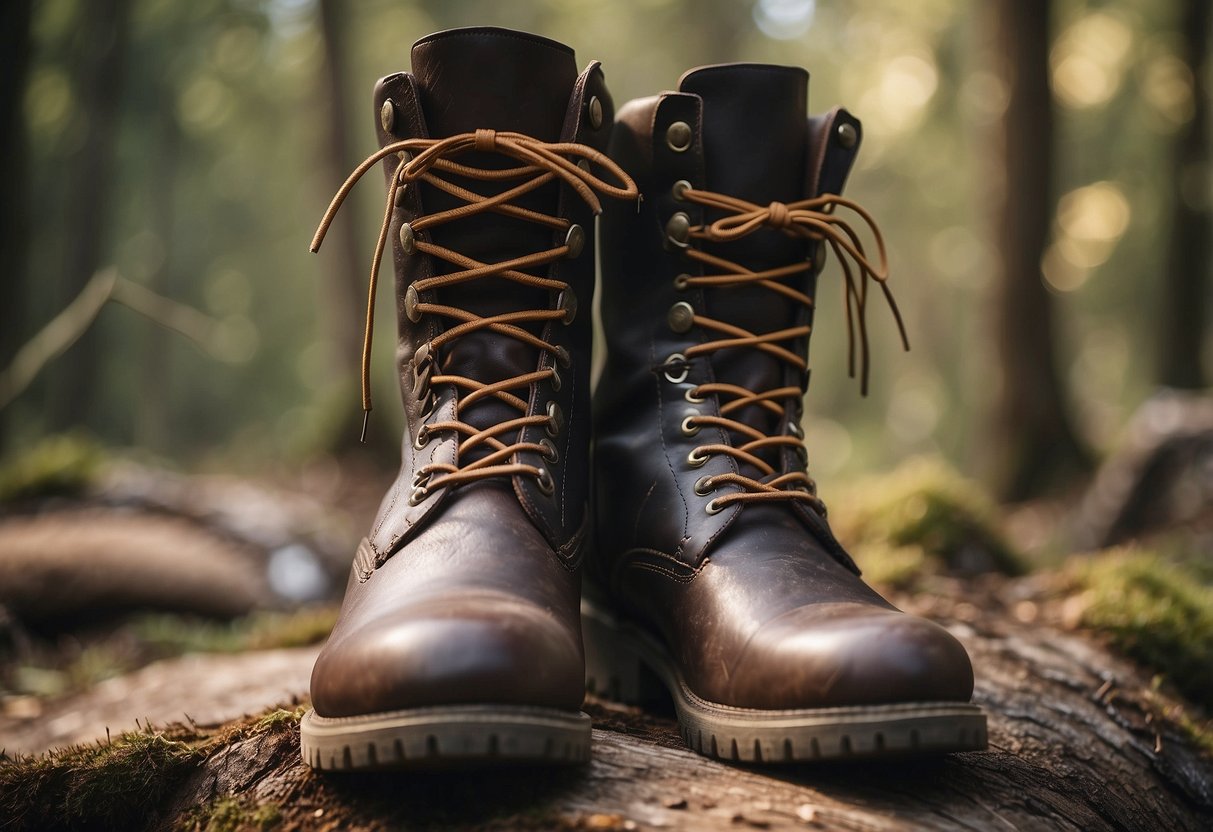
(366, 418)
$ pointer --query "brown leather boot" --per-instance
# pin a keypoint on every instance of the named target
(459, 637)
(715, 570)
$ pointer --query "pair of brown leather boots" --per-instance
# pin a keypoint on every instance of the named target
(504, 571)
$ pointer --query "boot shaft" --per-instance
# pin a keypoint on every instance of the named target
(740, 130)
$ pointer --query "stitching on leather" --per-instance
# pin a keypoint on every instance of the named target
(686, 509)
(568, 445)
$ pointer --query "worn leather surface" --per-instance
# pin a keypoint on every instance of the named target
(472, 594)
(759, 605)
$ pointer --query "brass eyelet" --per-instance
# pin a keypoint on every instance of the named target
(595, 112)
(681, 282)
(555, 420)
(695, 460)
(713, 507)
(423, 438)
(408, 240)
(421, 478)
(690, 396)
(544, 480)
(417, 495)
(678, 229)
(689, 427)
(563, 358)
(549, 450)
(411, 301)
(703, 487)
(681, 317)
(568, 303)
(574, 238)
(678, 136)
(686, 368)
(555, 379)
(679, 190)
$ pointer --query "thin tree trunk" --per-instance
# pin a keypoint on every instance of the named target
(1184, 321)
(102, 39)
(1035, 446)
(14, 225)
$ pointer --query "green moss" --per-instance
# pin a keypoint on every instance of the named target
(926, 505)
(57, 465)
(175, 634)
(280, 718)
(111, 785)
(898, 567)
(1152, 610)
(230, 814)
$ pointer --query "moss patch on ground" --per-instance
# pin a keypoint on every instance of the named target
(1152, 610)
(924, 517)
(230, 814)
(122, 783)
(65, 464)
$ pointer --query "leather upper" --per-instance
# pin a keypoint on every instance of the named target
(758, 604)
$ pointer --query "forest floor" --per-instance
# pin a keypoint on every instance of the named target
(1095, 674)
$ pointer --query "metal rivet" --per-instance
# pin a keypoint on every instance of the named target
(681, 282)
(545, 481)
(848, 136)
(681, 316)
(549, 451)
(713, 507)
(678, 229)
(387, 116)
(702, 488)
(678, 136)
(562, 357)
(575, 240)
(411, 301)
(595, 112)
(680, 188)
(407, 238)
(555, 420)
(568, 302)
(695, 460)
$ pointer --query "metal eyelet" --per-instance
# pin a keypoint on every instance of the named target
(678, 229)
(574, 238)
(678, 136)
(555, 420)
(686, 368)
(689, 427)
(702, 488)
(387, 116)
(417, 495)
(544, 480)
(408, 240)
(422, 478)
(423, 438)
(796, 430)
(568, 302)
(847, 135)
(695, 460)
(562, 357)
(411, 301)
(690, 396)
(681, 317)
(681, 282)
(595, 112)
(713, 507)
(555, 379)
(549, 451)
(680, 188)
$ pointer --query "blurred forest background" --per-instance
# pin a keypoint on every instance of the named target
(1050, 251)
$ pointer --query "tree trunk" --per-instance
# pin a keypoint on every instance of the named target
(14, 209)
(102, 39)
(1184, 321)
(1035, 446)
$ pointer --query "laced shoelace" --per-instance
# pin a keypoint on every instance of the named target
(542, 162)
(813, 219)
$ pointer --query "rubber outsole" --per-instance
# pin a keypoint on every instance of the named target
(624, 664)
(445, 737)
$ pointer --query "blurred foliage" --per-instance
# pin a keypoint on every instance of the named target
(221, 175)
(53, 466)
(922, 516)
(1152, 610)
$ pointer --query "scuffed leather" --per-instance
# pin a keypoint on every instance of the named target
(471, 596)
(758, 605)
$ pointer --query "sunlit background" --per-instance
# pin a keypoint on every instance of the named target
(220, 161)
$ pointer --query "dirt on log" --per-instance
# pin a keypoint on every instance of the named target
(1078, 741)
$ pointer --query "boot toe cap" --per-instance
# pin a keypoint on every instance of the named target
(838, 655)
(482, 650)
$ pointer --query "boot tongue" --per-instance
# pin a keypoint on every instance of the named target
(755, 135)
(496, 79)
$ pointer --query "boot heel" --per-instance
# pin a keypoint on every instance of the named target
(613, 670)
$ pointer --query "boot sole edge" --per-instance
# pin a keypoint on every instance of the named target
(456, 736)
(620, 655)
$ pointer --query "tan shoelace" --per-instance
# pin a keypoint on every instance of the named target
(813, 219)
(542, 162)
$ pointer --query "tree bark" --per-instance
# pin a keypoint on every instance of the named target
(1036, 448)
(1183, 324)
(102, 37)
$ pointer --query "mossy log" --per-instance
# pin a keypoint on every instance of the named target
(1079, 739)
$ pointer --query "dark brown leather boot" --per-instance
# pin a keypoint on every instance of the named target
(715, 570)
(459, 637)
